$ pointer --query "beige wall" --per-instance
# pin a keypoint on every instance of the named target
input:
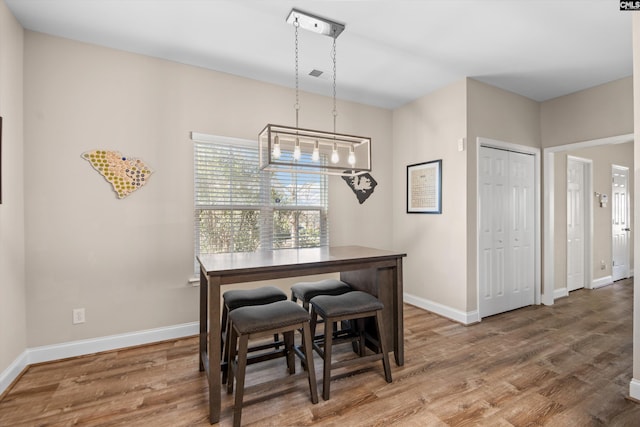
(127, 261)
(13, 321)
(636, 174)
(602, 157)
(424, 130)
(599, 112)
(500, 115)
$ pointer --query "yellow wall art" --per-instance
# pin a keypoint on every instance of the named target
(125, 174)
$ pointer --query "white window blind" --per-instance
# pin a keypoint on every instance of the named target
(239, 208)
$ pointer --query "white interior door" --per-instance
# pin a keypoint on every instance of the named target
(506, 238)
(493, 213)
(576, 227)
(522, 231)
(620, 222)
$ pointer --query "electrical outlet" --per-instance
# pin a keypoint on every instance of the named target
(603, 265)
(78, 315)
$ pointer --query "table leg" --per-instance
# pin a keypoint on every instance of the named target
(203, 319)
(214, 350)
(398, 317)
(386, 284)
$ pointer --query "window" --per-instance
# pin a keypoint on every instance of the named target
(239, 208)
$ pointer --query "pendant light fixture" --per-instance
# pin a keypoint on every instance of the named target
(294, 149)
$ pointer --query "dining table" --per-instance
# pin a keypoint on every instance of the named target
(376, 271)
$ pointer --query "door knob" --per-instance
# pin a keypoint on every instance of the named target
(626, 229)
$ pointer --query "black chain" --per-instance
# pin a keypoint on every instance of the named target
(296, 24)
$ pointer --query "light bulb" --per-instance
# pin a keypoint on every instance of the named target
(316, 152)
(352, 157)
(276, 148)
(296, 150)
(334, 155)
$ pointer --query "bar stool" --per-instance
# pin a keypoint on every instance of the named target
(237, 298)
(351, 306)
(305, 291)
(283, 317)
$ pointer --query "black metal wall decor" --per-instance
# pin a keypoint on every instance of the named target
(361, 185)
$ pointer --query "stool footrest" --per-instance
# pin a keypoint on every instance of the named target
(257, 358)
(273, 344)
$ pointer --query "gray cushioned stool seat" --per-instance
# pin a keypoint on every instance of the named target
(250, 320)
(244, 297)
(305, 291)
(352, 303)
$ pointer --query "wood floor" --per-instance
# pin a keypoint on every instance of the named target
(565, 365)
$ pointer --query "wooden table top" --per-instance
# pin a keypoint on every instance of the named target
(219, 264)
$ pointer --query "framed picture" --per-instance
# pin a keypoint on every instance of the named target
(424, 187)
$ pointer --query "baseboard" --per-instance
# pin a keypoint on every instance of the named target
(9, 375)
(634, 389)
(465, 318)
(560, 293)
(595, 284)
(600, 282)
(90, 346)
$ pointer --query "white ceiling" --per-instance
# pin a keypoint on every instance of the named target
(391, 52)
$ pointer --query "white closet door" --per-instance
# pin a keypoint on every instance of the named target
(506, 210)
(620, 223)
(522, 233)
(493, 230)
(575, 225)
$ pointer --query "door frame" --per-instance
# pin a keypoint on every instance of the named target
(629, 219)
(502, 145)
(548, 285)
(588, 221)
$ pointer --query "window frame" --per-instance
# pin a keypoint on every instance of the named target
(266, 207)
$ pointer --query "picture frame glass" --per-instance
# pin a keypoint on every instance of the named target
(424, 187)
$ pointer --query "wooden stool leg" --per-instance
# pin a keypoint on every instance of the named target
(288, 346)
(232, 344)
(313, 322)
(362, 346)
(383, 346)
(328, 342)
(225, 346)
(241, 370)
(223, 328)
(308, 362)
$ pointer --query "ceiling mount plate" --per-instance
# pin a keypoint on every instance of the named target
(315, 23)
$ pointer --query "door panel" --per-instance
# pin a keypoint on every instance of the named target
(506, 210)
(620, 223)
(575, 224)
(522, 227)
(493, 180)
